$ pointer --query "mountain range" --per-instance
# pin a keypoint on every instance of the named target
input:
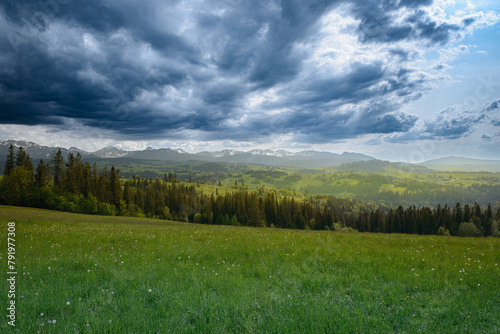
(278, 158)
(282, 158)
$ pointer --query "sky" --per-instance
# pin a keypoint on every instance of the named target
(402, 80)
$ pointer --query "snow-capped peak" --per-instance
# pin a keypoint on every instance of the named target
(218, 154)
(111, 152)
(18, 143)
(178, 150)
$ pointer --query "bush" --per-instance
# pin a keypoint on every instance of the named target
(495, 228)
(88, 205)
(443, 231)
(468, 230)
(348, 229)
(43, 198)
(106, 209)
(197, 218)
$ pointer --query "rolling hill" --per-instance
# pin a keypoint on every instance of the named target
(463, 164)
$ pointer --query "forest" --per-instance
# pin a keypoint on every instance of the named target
(76, 186)
(387, 184)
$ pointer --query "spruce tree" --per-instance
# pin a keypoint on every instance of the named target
(115, 189)
(58, 170)
(21, 157)
(10, 163)
(42, 177)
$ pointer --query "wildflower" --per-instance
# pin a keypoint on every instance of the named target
(41, 314)
(149, 290)
(68, 303)
(54, 321)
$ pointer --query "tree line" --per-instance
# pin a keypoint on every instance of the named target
(76, 186)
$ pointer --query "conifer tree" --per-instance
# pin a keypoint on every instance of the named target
(10, 163)
(21, 157)
(115, 188)
(42, 177)
(58, 170)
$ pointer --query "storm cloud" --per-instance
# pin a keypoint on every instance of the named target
(320, 71)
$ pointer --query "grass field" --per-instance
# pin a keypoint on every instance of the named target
(92, 274)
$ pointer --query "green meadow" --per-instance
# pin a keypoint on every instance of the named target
(93, 274)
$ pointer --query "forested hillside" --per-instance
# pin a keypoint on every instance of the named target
(77, 186)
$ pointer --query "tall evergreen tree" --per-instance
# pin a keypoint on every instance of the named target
(21, 157)
(10, 163)
(58, 170)
(115, 188)
(43, 176)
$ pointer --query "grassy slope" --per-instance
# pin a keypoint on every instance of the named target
(232, 279)
(333, 183)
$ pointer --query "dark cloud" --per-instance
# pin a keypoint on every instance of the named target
(491, 110)
(452, 127)
(451, 123)
(354, 86)
(323, 127)
(486, 138)
(378, 23)
(160, 69)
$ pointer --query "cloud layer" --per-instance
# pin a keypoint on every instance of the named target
(314, 71)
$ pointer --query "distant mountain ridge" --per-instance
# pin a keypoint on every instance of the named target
(38, 152)
(110, 152)
(267, 157)
(303, 159)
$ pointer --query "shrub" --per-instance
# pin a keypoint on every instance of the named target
(495, 227)
(197, 218)
(89, 205)
(443, 231)
(348, 229)
(468, 230)
(106, 209)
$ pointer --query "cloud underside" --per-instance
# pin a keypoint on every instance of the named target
(319, 71)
